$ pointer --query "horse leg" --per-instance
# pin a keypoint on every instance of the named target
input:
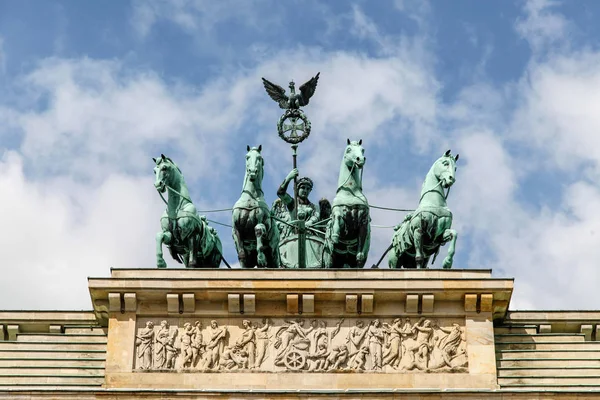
(161, 237)
(193, 250)
(393, 257)
(418, 241)
(237, 238)
(261, 258)
(364, 239)
(336, 218)
(450, 235)
(326, 260)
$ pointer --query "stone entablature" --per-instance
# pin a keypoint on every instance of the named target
(285, 334)
(272, 328)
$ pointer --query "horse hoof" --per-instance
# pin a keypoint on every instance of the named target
(447, 264)
(161, 264)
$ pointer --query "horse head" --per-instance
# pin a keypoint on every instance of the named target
(254, 163)
(165, 171)
(354, 156)
(445, 169)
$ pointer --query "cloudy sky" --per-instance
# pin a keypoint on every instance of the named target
(90, 91)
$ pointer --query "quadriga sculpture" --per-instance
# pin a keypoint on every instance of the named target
(427, 228)
(188, 236)
(348, 235)
(255, 235)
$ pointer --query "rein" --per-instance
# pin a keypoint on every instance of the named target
(445, 196)
(348, 178)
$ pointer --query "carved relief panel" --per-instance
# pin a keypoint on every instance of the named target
(301, 345)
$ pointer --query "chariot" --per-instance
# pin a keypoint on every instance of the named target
(296, 358)
(294, 233)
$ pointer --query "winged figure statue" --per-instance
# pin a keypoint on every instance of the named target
(295, 100)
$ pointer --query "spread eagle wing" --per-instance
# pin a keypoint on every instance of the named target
(277, 93)
(324, 214)
(308, 89)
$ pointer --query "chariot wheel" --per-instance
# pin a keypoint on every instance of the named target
(295, 360)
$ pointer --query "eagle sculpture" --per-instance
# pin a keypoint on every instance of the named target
(295, 100)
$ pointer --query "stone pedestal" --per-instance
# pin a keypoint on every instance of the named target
(308, 329)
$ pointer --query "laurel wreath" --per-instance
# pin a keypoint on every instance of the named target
(293, 114)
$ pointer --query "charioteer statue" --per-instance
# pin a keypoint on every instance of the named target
(307, 211)
(287, 210)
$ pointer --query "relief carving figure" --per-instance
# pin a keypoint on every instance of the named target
(262, 341)
(393, 352)
(356, 335)
(233, 357)
(358, 361)
(375, 336)
(337, 357)
(319, 357)
(198, 346)
(172, 351)
(419, 349)
(291, 335)
(321, 343)
(160, 348)
(144, 342)
(452, 355)
(216, 345)
(247, 343)
(187, 351)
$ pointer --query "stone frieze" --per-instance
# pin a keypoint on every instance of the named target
(300, 345)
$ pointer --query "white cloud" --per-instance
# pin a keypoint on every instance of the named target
(418, 10)
(101, 118)
(551, 251)
(559, 113)
(57, 233)
(541, 27)
(199, 16)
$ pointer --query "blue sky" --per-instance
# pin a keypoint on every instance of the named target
(90, 91)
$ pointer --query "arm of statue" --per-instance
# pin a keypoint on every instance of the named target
(248, 339)
(282, 191)
(337, 328)
(363, 334)
(265, 327)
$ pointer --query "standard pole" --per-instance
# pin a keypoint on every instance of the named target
(294, 158)
(300, 230)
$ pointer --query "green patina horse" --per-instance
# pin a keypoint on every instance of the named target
(255, 235)
(423, 231)
(190, 239)
(348, 234)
